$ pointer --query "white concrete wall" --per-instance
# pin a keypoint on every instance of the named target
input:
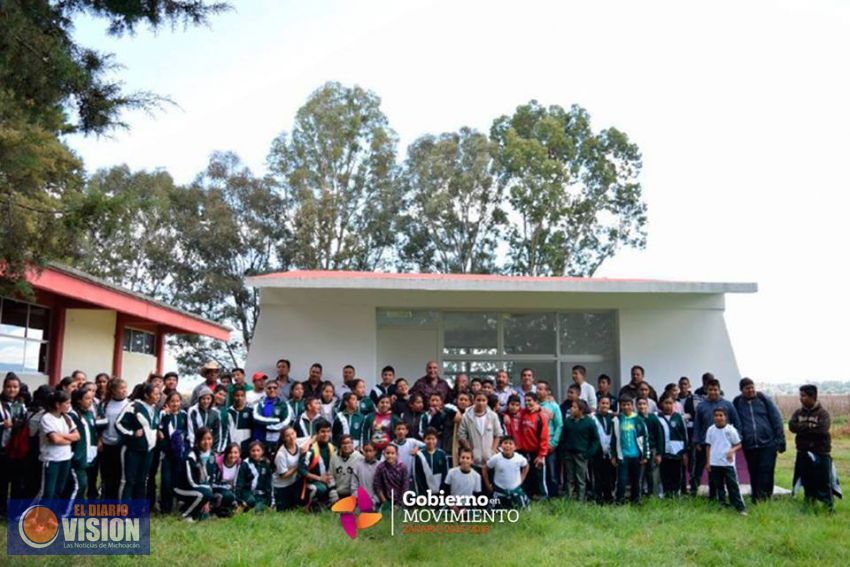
(89, 341)
(331, 334)
(669, 334)
(670, 343)
(136, 366)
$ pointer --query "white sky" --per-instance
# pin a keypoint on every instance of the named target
(740, 108)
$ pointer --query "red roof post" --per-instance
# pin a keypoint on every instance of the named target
(160, 350)
(118, 346)
(57, 339)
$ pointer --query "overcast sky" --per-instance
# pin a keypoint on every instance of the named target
(740, 109)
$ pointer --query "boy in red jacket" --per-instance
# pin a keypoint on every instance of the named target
(530, 428)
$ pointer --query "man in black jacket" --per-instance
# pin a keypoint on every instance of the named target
(813, 466)
(762, 435)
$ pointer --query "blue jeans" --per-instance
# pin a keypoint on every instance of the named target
(629, 471)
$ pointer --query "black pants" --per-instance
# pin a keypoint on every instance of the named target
(110, 471)
(151, 483)
(671, 476)
(92, 492)
(816, 477)
(604, 477)
(11, 481)
(697, 466)
(629, 472)
(287, 497)
(167, 479)
(722, 480)
(761, 464)
(535, 480)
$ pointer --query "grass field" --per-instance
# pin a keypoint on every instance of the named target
(690, 532)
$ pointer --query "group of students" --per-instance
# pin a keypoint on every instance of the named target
(277, 443)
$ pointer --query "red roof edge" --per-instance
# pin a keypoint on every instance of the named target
(80, 286)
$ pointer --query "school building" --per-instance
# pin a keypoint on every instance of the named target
(76, 321)
(477, 324)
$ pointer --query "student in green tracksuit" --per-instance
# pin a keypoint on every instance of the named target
(254, 483)
(138, 425)
(85, 448)
(349, 421)
(173, 444)
(604, 473)
(240, 420)
(430, 465)
(220, 404)
(580, 440)
(365, 405)
(675, 444)
(656, 447)
(204, 415)
(296, 400)
(198, 484)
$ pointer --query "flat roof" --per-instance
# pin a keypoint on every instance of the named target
(321, 279)
(69, 282)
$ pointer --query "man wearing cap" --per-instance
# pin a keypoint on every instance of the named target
(762, 435)
(258, 379)
(209, 372)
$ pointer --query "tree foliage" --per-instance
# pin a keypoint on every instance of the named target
(51, 86)
(337, 173)
(573, 191)
(453, 206)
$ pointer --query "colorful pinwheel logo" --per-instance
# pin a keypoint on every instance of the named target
(355, 513)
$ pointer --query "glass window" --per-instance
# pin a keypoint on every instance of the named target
(139, 341)
(470, 333)
(39, 322)
(406, 318)
(530, 333)
(36, 357)
(11, 354)
(587, 333)
(13, 318)
(472, 368)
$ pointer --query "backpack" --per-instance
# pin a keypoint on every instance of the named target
(18, 448)
(178, 447)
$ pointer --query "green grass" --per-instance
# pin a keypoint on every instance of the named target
(690, 532)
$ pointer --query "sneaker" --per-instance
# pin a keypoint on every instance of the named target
(189, 520)
(743, 513)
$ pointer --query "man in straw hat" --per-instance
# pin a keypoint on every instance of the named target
(209, 372)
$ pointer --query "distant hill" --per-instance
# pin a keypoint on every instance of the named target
(824, 387)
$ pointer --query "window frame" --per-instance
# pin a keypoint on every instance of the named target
(558, 358)
(26, 340)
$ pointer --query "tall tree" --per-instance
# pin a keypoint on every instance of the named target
(51, 86)
(452, 211)
(233, 226)
(134, 243)
(574, 193)
(337, 172)
(191, 246)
